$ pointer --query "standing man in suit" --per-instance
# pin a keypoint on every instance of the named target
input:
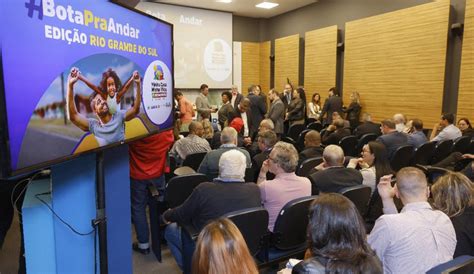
(287, 95)
(202, 104)
(236, 96)
(258, 107)
(277, 111)
(333, 103)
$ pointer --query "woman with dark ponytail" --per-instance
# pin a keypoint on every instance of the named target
(337, 239)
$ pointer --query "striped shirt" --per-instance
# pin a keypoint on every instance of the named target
(189, 145)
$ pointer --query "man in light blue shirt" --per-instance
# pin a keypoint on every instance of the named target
(448, 132)
(417, 137)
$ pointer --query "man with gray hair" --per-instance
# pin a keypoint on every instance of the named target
(416, 239)
(236, 96)
(210, 163)
(399, 120)
(332, 176)
(209, 201)
(286, 186)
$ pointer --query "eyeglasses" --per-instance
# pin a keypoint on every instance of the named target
(270, 158)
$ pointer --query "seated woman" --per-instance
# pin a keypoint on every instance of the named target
(373, 164)
(220, 249)
(453, 193)
(337, 239)
(466, 128)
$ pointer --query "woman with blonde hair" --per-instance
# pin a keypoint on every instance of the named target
(221, 249)
(453, 193)
(353, 111)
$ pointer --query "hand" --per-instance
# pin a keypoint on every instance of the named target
(247, 141)
(468, 156)
(354, 162)
(331, 128)
(264, 169)
(386, 191)
(136, 76)
(73, 76)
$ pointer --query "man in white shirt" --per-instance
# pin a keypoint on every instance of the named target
(448, 132)
(416, 239)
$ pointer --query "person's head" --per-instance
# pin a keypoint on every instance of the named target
(251, 89)
(204, 89)
(355, 97)
(333, 155)
(272, 94)
(312, 139)
(336, 115)
(226, 96)
(196, 128)
(221, 248)
(237, 123)
(447, 119)
(387, 126)
(208, 131)
(110, 82)
(316, 99)
(258, 90)
(333, 92)
(338, 123)
(299, 93)
(266, 139)
(452, 193)
(366, 117)
(336, 231)
(411, 185)
(283, 158)
(417, 124)
(99, 104)
(244, 105)
(375, 154)
(232, 165)
(288, 88)
(266, 124)
(234, 90)
(229, 136)
(464, 124)
(178, 95)
(399, 118)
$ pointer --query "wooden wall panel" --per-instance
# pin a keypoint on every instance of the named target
(396, 61)
(320, 61)
(287, 51)
(250, 65)
(265, 51)
(466, 82)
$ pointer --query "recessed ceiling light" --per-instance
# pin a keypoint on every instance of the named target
(267, 5)
(224, 1)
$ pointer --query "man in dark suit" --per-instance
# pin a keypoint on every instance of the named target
(236, 97)
(258, 107)
(276, 112)
(312, 146)
(266, 140)
(332, 176)
(333, 103)
(367, 126)
(391, 138)
(286, 95)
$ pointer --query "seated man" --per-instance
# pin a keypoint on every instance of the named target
(417, 137)
(266, 141)
(399, 120)
(448, 130)
(209, 201)
(367, 126)
(416, 239)
(210, 163)
(312, 146)
(335, 132)
(336, 115)
(286, 186)
(391, 138)
(332, 176)
(193, 143)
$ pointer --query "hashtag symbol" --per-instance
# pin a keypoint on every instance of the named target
(31, 6)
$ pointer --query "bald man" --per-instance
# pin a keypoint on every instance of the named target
(312, 146)
(416, 239)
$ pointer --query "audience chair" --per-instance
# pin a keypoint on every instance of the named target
(310, 120)
(253, 224)
(315, 126)
(300, 141)
(194, 160)
(294, 131)
(461, 144)
(359, 195)
(432, 173)
(460, 265)
(423, 154)
(401, 158)
(288, 140)
(348, 145)
(442, 150)
(365, 139)
(305, 168)
(288, 239)
(179, 188)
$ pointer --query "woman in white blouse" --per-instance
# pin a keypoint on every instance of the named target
(314, 107)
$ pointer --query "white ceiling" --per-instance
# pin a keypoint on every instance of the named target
(242, 7)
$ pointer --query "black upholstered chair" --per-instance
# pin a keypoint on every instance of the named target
(442, 150)
(295, 130)
(179, 188)
(359, 195)
(401, 158)
(315, 126)
(460, 265)
(423, 154)
(305, 168)
(461, 144)
(365, 139)
(348, 145)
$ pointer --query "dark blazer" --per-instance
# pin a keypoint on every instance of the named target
(277, 115)
(464, 227)
(237, 113)
(286, 99)
(257, 162)
(353, 113)
(296, 110)
(333, 137)
(258, 107)
(367, 127)
(334, 179)
(310, 152)
(332, 104)
(393, 141)
(237, 100)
